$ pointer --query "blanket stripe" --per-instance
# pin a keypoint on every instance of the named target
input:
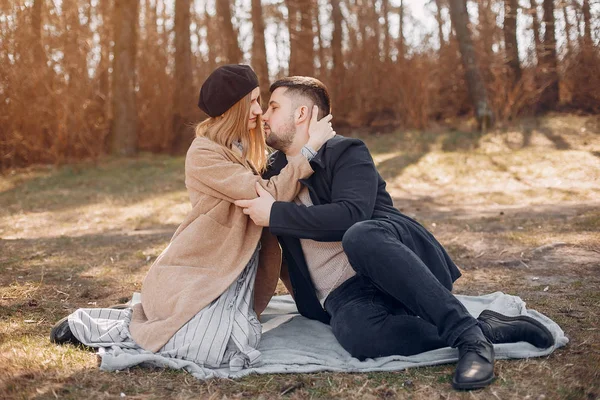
(225, 333)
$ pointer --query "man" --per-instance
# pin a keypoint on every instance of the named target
(379, 278)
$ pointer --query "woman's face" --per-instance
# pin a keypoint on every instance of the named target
(255, 109)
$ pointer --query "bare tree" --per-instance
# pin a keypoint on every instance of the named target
(440, 22)
(361, 16)
(306, 36)
(259, 51)
(75, 63)
(550, 96)
(536, 29)
(385, 10)
(102, 71)
(487, 26)
(183, 97)
(373, 18)
(319, 38)
(292, 25)
(587, 26)
(233, 53)
(473, 76)
(300, 26)
(165, 29)
(510, 39)
(211, 31)
(39, 56)
(401, 42)
(124, 128)
(336, 49)
(567, 29)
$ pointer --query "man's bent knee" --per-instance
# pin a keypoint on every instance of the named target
(355, 237)
(359, 243)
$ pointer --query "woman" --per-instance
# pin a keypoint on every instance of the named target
(201, 297)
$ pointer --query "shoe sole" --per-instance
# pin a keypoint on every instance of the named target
(472, 385)
(55, 328)
(76, 344)
(507, 318)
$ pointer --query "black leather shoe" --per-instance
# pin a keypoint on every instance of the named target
(61, 333)
(475, 368)
(500, 328)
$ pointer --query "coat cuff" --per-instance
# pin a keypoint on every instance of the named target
(277, 214)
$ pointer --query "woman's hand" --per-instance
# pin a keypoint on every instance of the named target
(319, 132)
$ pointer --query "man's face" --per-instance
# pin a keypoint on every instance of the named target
(280, 129)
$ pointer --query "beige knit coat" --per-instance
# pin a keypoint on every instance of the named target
(213, 244)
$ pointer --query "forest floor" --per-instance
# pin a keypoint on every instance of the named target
(517, 208)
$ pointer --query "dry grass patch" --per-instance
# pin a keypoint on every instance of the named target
(516, 208)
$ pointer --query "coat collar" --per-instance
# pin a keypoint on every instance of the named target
(278, 159)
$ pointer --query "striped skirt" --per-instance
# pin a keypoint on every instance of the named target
(225, 333)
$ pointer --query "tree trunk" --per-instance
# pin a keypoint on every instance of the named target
(578, 22)
(233, 53)
(354, 31)
(567, 30)
(210, 38)
(549, 97)
(259, 51)
(510, 39)
(74, 59)
(319, 37)
(183, 97)
(336, 49)
(292, 24)
(362, 25)
(376, 26)
(536, 30)
(165, 30)
(39, 56)
(440, 22)
(301, 37)
(102, 71)
(124, 128)
(385, 9)
(401, 43)
(587, 27)
(487, 27)
(473, 76)
(306, 37)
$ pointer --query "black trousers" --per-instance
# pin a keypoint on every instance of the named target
(397, 304)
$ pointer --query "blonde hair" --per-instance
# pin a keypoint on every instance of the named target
(231, 127)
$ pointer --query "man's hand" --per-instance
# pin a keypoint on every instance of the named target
(258, 209)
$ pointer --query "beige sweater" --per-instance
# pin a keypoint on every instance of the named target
(327, 263)
(213, 244)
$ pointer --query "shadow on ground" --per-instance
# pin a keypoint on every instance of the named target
(124, 181)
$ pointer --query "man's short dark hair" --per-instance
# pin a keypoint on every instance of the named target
(308, 87)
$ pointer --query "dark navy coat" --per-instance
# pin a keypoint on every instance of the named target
(345, 189)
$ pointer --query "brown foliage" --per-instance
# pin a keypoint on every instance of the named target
(57, 72)
(582, 80)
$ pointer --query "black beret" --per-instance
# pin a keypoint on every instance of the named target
(225, 86)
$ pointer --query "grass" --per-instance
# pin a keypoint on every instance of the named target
(517, 208)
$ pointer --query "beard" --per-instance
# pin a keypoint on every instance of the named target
(283, 139)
